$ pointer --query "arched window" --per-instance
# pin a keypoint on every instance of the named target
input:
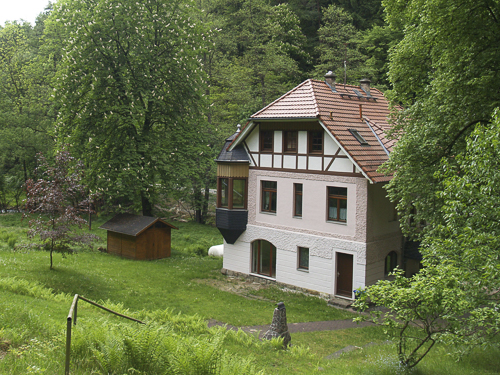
(264, 258)
(391, 261)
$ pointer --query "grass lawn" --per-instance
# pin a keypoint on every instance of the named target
(34, 303)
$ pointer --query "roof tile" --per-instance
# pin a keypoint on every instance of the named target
(340, 111)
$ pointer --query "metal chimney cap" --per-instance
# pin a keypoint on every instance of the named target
(330, 74)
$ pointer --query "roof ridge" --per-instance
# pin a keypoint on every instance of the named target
(316, 106)
(282, 96)
(348, 85)
(370, 123)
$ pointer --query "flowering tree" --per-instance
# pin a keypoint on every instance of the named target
(55, 202)
(131, 78)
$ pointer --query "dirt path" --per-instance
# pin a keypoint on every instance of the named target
(330, 325)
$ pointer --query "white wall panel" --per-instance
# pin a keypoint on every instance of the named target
(302, 161)
(278, 141)
(278, 161)
(318, 278)
(315, 163)
(341, 165)
(252, 140)
(374, 272)
(302, 146)
(237, 257)
(289, 161)
(266, 160)
(331, 146)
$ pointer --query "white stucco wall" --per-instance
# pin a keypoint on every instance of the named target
(314, 205)
(322, 257)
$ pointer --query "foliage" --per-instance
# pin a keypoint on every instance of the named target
(375, 44)
(337, 49)
(130, 123)
(255, 59)
(469, 190)
(58, 198)
(444, 73)
(130, 79)
(24, 106)
(435, 305)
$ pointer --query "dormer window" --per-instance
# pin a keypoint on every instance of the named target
(316, 142)
(358, 137)
(290, 141)
(266, 140)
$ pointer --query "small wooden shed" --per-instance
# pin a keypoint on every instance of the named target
(138, 237)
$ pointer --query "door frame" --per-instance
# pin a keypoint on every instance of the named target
(338, 274)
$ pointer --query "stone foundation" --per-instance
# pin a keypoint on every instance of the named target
(266, 281)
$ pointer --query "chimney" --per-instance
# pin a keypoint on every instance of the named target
(330, 79)
(365, 85)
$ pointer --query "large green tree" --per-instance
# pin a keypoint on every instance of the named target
(256, 57)
(445, 74)
(25, 108)
(131, 78)
(338, 48)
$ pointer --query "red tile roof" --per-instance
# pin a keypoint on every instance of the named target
(340, 111)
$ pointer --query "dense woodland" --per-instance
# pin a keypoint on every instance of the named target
(148, 111)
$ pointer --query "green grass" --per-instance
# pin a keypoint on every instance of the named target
(34, 303)
(166, 283)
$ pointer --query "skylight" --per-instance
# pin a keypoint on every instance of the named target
(358, 137)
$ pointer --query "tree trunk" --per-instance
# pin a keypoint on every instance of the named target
(205, 203)
(25, 171)
(147, 207)
(198, 215)
(51, 251)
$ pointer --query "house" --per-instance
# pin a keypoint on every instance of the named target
(138, 237)
(300, 201)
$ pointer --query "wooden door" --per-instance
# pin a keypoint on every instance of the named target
(344, 275)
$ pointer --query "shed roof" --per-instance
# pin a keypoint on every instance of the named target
(132, 225)
(340, 111)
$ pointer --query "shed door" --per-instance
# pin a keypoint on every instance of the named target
(344, 275)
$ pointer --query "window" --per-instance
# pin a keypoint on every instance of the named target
(224, 192)
(239, 193)
(316, 142)
(297, 204)
(337, 204)
(358, 137)
(264, 258)
(232, 193)
(290, 141)
(266, 140)
(303, 258)
(391, 262)
(269, 196)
